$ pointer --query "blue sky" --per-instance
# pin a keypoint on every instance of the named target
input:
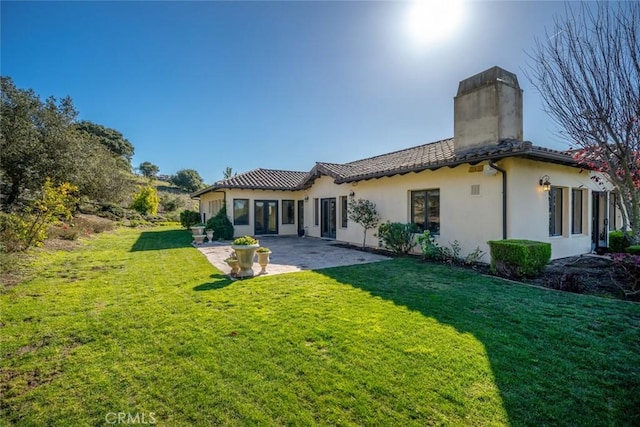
(281, 85)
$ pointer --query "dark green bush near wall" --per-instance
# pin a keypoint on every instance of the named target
(618, 242)
(189, 218)
(634, 250)
(221, 225)
(519, 258)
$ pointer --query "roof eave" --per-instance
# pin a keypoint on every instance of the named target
(550, 157)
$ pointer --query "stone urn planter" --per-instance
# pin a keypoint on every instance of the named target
(197, 230)
(263, 259)
(198, 240)
(234, 264)
(245, 248)
(210, 235)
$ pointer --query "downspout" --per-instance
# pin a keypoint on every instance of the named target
(504, 197)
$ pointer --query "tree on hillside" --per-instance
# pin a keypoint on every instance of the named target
(363, 212)
(113, 140)
(148, 169)
(587, 70)
(188, 179)
(146, 200)
(39, 140)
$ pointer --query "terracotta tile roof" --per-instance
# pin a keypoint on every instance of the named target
(433, 155)
(260, 179)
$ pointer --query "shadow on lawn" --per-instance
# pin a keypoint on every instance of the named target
(220, 281)
(159, 240)
(550, 353)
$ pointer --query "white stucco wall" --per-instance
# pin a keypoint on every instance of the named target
(472, 220)
(529, 204)
(207, 209)
(252, 195)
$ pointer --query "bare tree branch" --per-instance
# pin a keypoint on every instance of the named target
(587, 70)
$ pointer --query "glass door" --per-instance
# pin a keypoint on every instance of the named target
(600, 220)
(300, 217)
(265, 217)
(328, 218)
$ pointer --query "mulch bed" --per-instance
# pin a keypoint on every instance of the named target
(584, 274)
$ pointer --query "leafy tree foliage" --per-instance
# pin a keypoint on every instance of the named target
(363, 212)
(21, 230)
(146, 201)
(588, 73)
(111, 139)
(40, 139)
(188, 179)
(148, 169)
(227, 172)
(189, 218)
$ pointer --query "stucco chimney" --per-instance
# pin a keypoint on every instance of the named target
(487, 109)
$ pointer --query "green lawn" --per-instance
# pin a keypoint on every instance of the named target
(139, 322)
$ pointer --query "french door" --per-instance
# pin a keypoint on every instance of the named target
(265, 217)
(328, 218)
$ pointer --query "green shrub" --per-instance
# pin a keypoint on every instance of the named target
(170, 204)
(519, 258)
(146, 201)
(245, 240)
(111, 211)
(618, 242)
(397, 237)
(17, 232)
(428, 245)
(220, 224)
(189, 218)
(20, 230)
(634, 250)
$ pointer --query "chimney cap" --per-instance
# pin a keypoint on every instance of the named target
(486, 78)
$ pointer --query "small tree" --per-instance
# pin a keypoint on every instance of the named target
(188, 179)
(148, 170)
(363, 212)
(227, 172)
(146, 201)
(21, 230)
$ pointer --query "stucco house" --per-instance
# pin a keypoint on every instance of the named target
(485, 183)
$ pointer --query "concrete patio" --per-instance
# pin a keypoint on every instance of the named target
(292, 253)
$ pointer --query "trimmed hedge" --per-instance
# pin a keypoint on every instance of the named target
(634, 250)
(519, 258)
(618, 242)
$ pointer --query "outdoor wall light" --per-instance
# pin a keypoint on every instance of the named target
(351, 193)
(306, 198)
(544, 183)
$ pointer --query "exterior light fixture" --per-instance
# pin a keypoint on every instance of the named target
(351, 194)
(544, 183)
(306, 198)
